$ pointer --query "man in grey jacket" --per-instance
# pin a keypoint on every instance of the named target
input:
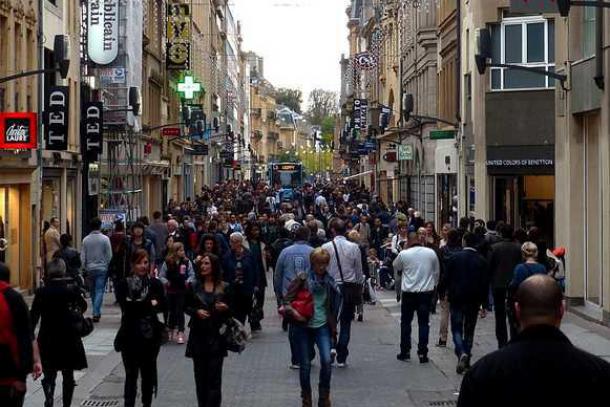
(95, 256)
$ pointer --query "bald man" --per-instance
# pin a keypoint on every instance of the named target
(540, 366)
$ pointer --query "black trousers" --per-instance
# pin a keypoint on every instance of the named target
(10, 397)
(208, 380)
(242, 306)
(48, 386)
(140, 362)
(415, 303)
(501, 314)
(175, 302)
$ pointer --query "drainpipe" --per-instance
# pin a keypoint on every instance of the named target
(599, 53)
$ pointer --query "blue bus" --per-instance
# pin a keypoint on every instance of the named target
(287, 176)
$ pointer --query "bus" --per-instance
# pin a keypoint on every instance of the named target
(287, 176)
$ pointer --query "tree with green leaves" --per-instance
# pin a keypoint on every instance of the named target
(291, 98)
(322, 104)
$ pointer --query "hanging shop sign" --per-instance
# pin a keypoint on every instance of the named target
(18, 131)
(188, 87)
(57, 108)
(359, 115)
(103, 31)
(171, 132)
(178, 49)
(112, 76)
(405, 152)
(92, 129)
(365, 60)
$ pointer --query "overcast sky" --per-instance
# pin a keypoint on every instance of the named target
(301, 40)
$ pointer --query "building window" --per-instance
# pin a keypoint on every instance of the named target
(527, 41)
(588, 27)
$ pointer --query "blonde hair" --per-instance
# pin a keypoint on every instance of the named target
(353, 236)
(529, 250)
(319, 255)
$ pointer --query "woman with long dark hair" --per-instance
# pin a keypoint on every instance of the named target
(140, 334)
(208, 306)
(176, 273)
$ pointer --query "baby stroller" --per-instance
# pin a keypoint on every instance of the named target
(386, 271)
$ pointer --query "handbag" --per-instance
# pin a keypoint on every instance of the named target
(234, 335)
(351, 292)
(303, 303)
(83, 326)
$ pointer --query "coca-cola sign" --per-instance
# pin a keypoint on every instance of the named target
(17, 131)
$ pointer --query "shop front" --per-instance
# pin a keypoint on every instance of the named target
(523, 186)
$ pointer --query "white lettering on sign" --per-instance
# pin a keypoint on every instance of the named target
(103, 31)
(530, 162)
(17, 134)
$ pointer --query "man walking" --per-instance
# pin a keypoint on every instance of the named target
(52, 239)
(540, 366)
(346, 268)
(240, 272)
(419, 269)
(467, 284)
(505, 255)
(293, 261)
(95, 256)
(159, 228)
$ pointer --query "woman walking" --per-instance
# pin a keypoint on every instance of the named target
(176, 273)
(60, 344)
(139, 337)
(320, 329)
(207, 305)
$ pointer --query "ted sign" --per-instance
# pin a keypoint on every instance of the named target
(18, 131)
(92, 129)
(56, 124)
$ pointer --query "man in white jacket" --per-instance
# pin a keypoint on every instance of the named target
(419, 269)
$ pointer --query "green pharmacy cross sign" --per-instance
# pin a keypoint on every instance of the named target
(188, 87)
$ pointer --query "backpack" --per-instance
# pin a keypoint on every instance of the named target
(9, 348)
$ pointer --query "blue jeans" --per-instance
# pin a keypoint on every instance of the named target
(304, 339)
(412, 303)
(97, 285)
(463, 322)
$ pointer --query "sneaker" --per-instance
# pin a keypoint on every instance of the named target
(403, 357)
(423, 358)
(441, 344)
(342, 365)
(294, 366)
(180, 338)
(462, 365)
(96, 318)
(333, 356)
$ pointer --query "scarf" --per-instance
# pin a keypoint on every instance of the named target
(137, 288)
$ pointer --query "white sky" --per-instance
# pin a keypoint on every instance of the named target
(300, 40)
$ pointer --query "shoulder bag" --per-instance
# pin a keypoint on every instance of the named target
(351, 292)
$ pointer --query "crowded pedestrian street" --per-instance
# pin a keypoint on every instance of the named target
(260, 375)
(304, 203)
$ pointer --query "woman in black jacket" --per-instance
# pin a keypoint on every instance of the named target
(207, 305)
(60, 344)
(139, 337)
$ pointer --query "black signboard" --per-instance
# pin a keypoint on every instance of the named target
(200, 149)
(359, 115)
(17, 131)
(57, 110)
(92, 129)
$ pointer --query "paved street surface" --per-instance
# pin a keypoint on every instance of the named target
(260, 376)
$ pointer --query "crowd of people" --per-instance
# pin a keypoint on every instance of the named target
(323, 250)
